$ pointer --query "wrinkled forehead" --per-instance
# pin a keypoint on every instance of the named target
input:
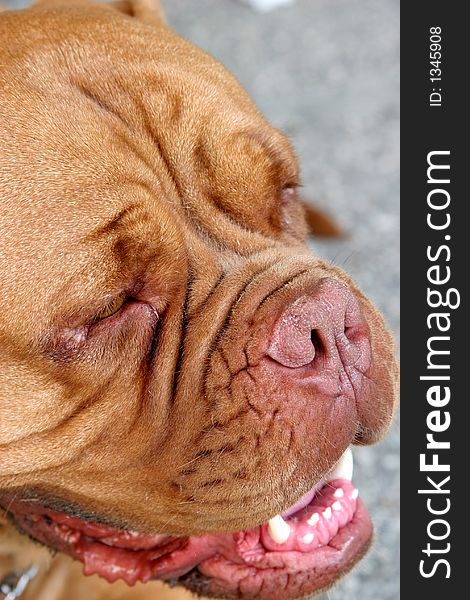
(111, 103)
(100, 52)
(102, 118)
(75, 104)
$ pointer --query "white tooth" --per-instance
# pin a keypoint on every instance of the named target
(314, 519)
(354, 494)
(339, 493)
(308, 538)
(327, 513)
(343, 468)
(336, 505)
(279, 530)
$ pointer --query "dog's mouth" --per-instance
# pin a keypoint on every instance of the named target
(298, 552)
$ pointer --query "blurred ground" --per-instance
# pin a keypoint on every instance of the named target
(326, 73)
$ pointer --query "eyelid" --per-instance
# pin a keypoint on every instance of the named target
(292, 183)
(110, 309)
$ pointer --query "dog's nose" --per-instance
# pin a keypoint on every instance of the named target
(324, 328)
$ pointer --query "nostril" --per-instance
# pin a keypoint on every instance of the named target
(319, 329)
(316, 341)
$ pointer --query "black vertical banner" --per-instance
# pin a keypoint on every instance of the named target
(435, 355)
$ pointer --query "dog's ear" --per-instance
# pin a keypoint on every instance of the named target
(319, 223)
(149, 11)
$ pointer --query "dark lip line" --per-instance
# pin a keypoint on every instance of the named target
(57, 504)
(11, 514)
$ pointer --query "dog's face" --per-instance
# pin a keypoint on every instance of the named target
(174, 359)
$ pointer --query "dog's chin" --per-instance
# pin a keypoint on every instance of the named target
(300, 552)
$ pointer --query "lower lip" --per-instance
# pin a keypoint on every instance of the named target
(116, 554)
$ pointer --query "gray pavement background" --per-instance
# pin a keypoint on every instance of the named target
(326, 72)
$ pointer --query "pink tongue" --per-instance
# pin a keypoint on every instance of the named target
(303, 502)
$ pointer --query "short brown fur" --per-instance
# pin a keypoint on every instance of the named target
(132, 161)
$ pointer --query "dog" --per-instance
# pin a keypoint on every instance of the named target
(181, 377)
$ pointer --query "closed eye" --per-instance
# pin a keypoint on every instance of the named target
(112, 308)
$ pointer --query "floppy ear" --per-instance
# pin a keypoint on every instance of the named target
(149, 11)
(319, 223)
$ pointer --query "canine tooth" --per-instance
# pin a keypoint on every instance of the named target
(279, 530)
(314, 519)
(308, 538)
(327, 513)
(343, 468)
(336, 505)
(354, 494)
(339, 493)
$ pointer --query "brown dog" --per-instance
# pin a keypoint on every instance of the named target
(177, 369)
